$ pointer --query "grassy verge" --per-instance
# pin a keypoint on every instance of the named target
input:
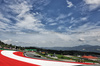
(60, 57)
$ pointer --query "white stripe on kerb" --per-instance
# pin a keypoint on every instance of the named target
(35, 61)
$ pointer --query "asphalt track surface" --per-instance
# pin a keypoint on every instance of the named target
(13, 58)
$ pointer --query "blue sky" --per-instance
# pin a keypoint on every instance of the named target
(50, 23)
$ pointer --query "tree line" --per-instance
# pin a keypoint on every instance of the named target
(72, 52)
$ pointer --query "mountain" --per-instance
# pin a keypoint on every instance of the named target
(88, 48)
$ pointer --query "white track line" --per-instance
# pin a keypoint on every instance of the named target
(36, 61)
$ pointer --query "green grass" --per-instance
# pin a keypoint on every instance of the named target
(67, 58)
(63, 57)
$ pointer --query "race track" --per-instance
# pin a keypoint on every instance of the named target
(13, 58)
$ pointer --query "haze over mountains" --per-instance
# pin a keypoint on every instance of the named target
(88, 48)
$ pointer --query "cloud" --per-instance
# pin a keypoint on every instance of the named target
(50, 20)
(2, 18)
(27, 20)
(70, 14)
(9, 41)
(64, 36)
(89, 26)
(78, 20)
(81, 39)
(70, 4)
(61, 16)
(60, 27)
(3, 25)
(22, 9)
(22, 18)
(98, 39)
(17, 43)
(83, 18)
(41, 4)
(97, 2)
(92, 4)
(53, 24)
(51, 38)
(27, 29)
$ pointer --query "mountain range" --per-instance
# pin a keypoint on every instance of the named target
(87, 48)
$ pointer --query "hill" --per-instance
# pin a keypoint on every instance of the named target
(88, 48)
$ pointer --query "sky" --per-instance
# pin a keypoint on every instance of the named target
(50, 23)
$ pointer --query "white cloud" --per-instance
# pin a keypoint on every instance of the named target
(21, 9)
(51, 39)
(9, 41)
(21, 18)
(4, 19)
(61, 16)
(78, 20)
(70, 4)
(53, 24)
(19, 32)
(70, 14)
(81, 39)
(64, 36)
(98, 39)
(25, 19)
(83, 18)
(50, 20)
(60, 27)
(92, 1)
(99, 10)
(29, 22)
(3, 25)
(70, 27)
(86, 27)
(73, 20)
(92, 4)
